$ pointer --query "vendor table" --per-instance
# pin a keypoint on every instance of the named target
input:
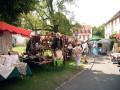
(10, 67)
(102, 51)
(16, 73)
(44, 62)
(115, 57)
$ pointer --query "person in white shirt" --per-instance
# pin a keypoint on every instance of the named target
(85, 49)
(38, 46)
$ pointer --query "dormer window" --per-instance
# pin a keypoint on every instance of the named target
(84, 31)
(80, 31)
(88, 31)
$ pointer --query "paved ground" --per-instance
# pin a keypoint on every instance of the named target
(100, 74)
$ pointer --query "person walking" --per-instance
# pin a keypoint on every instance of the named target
(95, 48)
(85, 49)
(77, 54)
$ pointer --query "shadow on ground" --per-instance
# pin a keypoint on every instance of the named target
(93, 80)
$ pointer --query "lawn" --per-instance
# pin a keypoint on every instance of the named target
(44, 78)
(20, 49)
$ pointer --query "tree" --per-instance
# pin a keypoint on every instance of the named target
(99, 31)
(50, 11)
(29, 21)
(10, 10)
(77, 25)
(64, 24)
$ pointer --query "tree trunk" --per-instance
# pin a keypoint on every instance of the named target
(55, 28)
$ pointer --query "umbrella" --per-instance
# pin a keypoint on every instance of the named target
(103, 41)
(95, 39)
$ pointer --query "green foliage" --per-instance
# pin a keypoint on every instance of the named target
(113, 35)
(111, 45)
(64, 24)
(10, 10)
(49, 16)
(29, 21)
(77, 25)
(118, 43)
(99, 31)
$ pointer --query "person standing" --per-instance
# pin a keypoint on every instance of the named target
(77, 54)
(85, 49)
(38, 46)
(95, 48)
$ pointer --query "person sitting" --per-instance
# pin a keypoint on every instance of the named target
(38, 46)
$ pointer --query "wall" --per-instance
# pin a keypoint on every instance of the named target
(112, 27)
(5, 42)
(18, 40)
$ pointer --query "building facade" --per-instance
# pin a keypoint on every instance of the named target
(83, 33)
(113, 25)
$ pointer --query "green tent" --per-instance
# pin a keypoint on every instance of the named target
(95, 39)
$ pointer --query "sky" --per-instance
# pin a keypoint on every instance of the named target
(94, 12)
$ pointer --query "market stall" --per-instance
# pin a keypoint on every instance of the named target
(36, 48)
(56, 43)
(6, 32)
(10, 66)
(103, 46)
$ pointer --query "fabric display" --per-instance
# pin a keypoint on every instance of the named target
(22, 67)
(10, 66)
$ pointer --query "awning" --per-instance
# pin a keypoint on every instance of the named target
(14, 30)
(95, 39)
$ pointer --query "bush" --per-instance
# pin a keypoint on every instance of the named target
(111, 45)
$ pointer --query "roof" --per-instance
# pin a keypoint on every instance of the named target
(84, 27)
(115, 16)
(14, 30)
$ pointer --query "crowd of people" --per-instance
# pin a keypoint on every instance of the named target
(84, 49)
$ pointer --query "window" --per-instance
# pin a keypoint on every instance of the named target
(106, 35)
(83, 37)
(106, 26)
(80, 31)
(79, 36)
(115, 21)
(88, 31)
(87, 37)
(84, 31)
(119, 20)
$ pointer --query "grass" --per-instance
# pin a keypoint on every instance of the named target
(44, 78)
(20, 49)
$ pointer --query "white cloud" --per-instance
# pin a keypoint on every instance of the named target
(94, 12)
